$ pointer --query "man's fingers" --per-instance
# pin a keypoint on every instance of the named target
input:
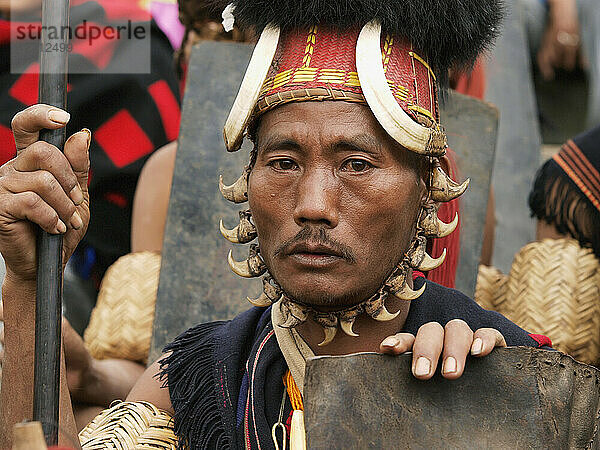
(397, 344)
(26, 124)
(426, 350)
(77, 153)
(46, 157)
(485, 340)
(48, 188)
(569, 58)
(458, 338)
(30, 206)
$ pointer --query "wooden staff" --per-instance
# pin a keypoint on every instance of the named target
(52, 91)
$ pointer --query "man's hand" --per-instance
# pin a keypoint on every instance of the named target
(560, 43)
(42, 186)
(453, 342)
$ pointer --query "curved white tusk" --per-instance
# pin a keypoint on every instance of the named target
(444, 188)
(237, 192)
(249, 268)
(347, 325)
(430, 263)
(383, 315)
(230, 235)
(446, 228)
(262, 301)
(406, 293)
(394, 120)
(239, 268)
(330, 333)
(253, 81)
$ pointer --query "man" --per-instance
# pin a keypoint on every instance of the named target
(343, 185)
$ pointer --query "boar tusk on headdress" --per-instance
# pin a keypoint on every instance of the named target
(385, 108)
(250, 88)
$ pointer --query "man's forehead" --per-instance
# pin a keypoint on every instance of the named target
(334, 121)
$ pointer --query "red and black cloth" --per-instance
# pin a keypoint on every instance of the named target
(224, 378)
(130, 116)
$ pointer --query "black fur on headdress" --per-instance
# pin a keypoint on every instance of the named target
(450, 33)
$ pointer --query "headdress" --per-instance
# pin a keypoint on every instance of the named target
(566, 191)
(389, 55)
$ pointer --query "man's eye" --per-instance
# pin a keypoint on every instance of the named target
(356, 165)
(284, 164)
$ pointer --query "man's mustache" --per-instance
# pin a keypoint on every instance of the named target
(318, 236)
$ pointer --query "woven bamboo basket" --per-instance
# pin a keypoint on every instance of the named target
(121, 323)
(553, 289)
(129, 425)
(490, 291)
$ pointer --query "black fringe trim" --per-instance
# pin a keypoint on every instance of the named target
(189, 373)
(557, 200)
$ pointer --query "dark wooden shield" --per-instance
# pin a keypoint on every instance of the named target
(517, 398)
(196, 284)
(472, 128)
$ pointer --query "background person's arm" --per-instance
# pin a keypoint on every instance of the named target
(44, 187)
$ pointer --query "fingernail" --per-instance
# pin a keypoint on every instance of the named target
(76, 221)
(61, 227)
(477, 346)
(449, 365)
(59, 116)
(422, 367)
(76, 195)
(89, 137)
(390, 341)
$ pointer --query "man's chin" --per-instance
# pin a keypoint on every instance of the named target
(326, 299)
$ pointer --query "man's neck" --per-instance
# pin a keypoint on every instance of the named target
(370, 332)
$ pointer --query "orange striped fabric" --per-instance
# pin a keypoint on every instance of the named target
(577, 166)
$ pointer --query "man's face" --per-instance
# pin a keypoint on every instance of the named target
(334, 200)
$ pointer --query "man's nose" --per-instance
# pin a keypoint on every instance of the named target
(317, 199)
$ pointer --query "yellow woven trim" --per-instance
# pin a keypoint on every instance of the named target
(130, 425)
(422, 61)
(352, 79)
(310, 46)
(282, 78)
(387, 51)
(420, 110)
(304, 75)
(332, 76)
(310, 74)
(337, 77)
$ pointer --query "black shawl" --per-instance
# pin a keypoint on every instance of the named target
(225, 378)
